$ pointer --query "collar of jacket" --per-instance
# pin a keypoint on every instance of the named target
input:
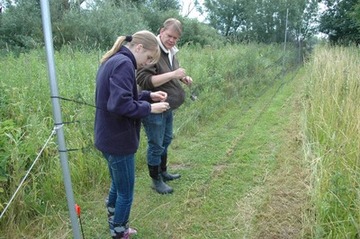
(172, 51)
(126, 52)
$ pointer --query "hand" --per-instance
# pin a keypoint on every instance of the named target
(179, 73)
(158, 96)
(187, 80)
(159, 107)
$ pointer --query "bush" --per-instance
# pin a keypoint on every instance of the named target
(96, 27)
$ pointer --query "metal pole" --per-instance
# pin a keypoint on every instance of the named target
(45, 13)
(285, 40)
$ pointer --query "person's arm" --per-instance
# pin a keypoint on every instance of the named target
(121, 99)
(158, 80)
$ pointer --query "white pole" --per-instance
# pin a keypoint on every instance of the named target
(45, 13)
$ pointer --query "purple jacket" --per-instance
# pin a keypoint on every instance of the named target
(119, 107)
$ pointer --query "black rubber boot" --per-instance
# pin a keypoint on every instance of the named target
(163, 168)
(157, 182)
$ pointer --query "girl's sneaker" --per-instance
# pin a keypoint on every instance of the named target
(128, 232)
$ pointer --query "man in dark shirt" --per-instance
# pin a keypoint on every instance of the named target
(167, 76)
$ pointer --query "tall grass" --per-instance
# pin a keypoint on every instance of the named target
(236, 73)
(333, 131)
(27, 122)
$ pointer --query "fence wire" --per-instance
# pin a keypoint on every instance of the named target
(29, 170)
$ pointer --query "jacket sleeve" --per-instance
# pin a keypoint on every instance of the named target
(122, 88)
(143, 77)
(145, 95)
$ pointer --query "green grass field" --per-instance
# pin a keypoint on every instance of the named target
(248, 149)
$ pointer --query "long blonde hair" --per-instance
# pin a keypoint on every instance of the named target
(144, 37)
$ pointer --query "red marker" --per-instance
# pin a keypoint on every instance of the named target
(78, 211)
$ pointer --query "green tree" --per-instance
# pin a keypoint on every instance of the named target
(95, 26)
(197, 33)
(20, 25)
(340, 21)
(120, 3)
(163, 5)
(227, 16)
(260, 20)
(155, 12)
(356, 14)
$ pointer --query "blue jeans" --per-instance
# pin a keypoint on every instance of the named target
(121, 193)
(159, 132)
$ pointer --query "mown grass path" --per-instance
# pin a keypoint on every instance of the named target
(243, 176)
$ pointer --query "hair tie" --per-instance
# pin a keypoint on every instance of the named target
(128, 38)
